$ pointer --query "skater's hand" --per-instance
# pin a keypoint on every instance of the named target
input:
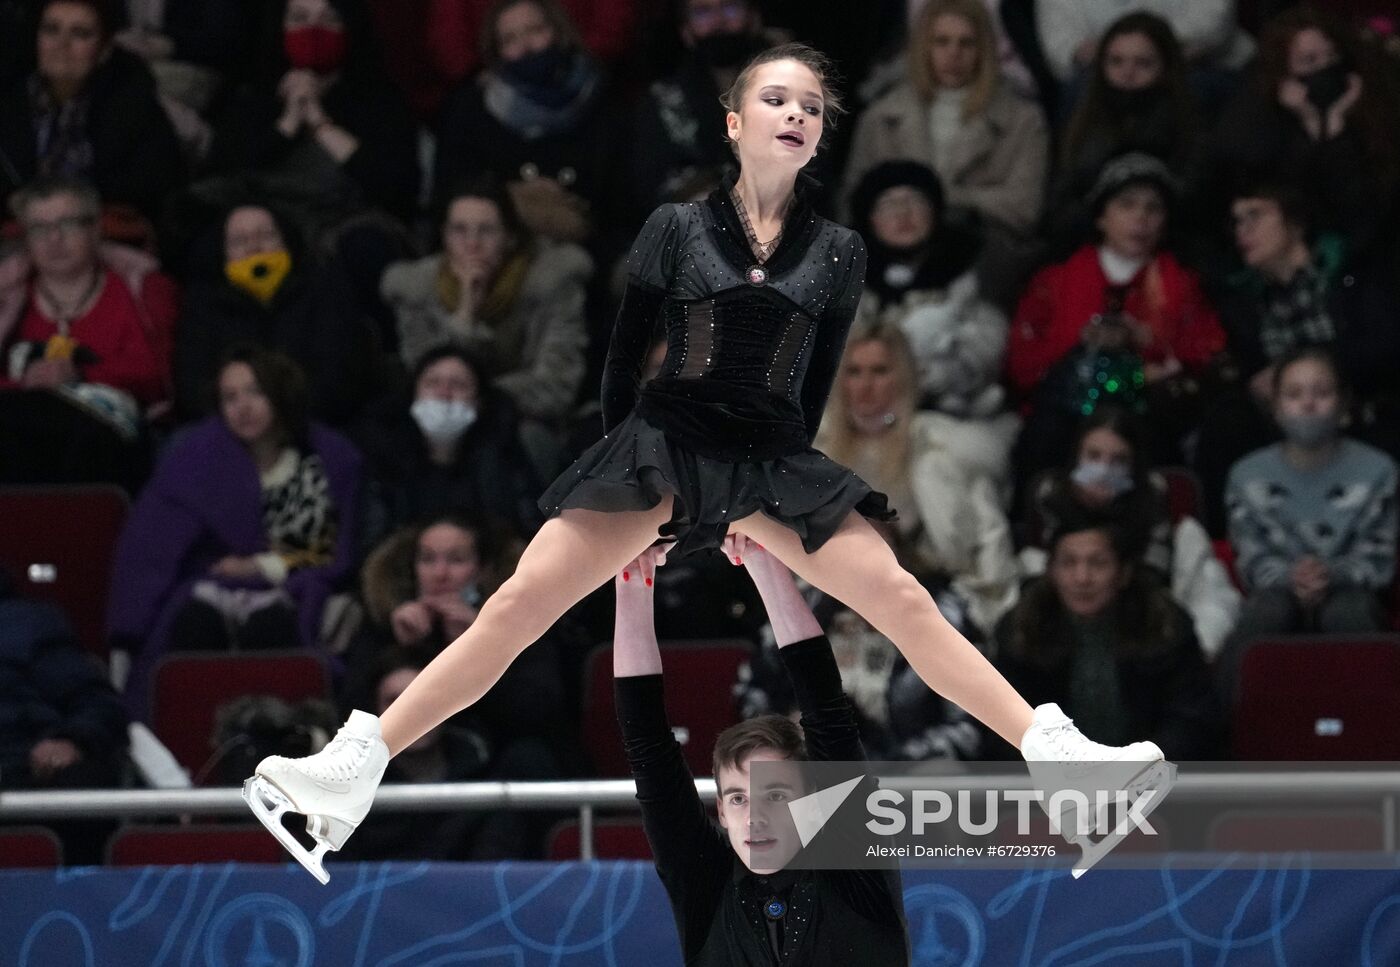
(635, 650)
(641, 571)
(236, 568)
(788, 611)
(764, 568)
(51, 755)
(457, 616)
(411, 622)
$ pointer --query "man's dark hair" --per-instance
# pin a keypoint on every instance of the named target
(738, 742)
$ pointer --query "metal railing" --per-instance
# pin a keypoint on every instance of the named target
(587, 796)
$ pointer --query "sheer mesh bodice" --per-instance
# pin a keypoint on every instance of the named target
(751, 352)
(752, 349)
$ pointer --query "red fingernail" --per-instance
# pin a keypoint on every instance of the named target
(626, 576)
(648, 582)
(738, 560)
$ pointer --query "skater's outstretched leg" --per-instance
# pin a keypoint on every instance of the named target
(858, 568)
(571, 555)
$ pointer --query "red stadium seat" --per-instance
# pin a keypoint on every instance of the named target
(613, 839)
(189, 689)
(700, 677)
(177, 845)
(58, 543)
(1320, 697)
(29, 847)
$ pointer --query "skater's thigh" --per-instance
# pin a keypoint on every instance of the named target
(580, 549)
(853, 564)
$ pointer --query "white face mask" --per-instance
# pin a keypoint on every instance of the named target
(443, 421)
(1100, 473)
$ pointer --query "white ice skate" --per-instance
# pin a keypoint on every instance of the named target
(1060, 757)
(333, 789)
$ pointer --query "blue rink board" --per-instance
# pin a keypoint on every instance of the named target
(615, 913)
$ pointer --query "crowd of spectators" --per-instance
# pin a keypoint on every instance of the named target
(326, 286)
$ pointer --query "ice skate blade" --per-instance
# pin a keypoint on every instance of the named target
(269, 805)
(1153, 779)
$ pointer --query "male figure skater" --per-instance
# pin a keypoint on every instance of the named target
(733, 903)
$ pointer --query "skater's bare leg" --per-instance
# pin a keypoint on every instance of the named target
(857, 567)
(570, 556)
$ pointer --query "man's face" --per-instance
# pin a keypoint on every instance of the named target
(758, 820)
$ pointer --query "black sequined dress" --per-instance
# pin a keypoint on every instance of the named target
(751, 354)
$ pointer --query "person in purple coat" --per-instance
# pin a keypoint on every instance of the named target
(246, 528)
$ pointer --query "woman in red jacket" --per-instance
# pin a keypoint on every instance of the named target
(1121, 302)
(85, 334)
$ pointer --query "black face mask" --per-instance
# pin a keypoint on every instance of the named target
(1325, 86)
(538, 68)
(1140, 101)
(727, 50)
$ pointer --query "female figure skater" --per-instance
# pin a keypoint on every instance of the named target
(757, 293)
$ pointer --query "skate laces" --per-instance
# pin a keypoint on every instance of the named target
(1070, 743)
(343, 756)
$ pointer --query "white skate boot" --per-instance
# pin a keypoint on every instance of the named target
(1061, 759)
(333, 789)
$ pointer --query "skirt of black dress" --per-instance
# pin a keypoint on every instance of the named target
(636, 465)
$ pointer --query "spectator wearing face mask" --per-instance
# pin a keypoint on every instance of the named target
(1317, 114)
(1122, 320)
(535, 118)
(1109, 477)
(672, 156)
(515, 299)
(1297, 287)
(1312, 519)
(1136, 98)
(255, 283)
(321, 122)
(455, 445)
(431, 45)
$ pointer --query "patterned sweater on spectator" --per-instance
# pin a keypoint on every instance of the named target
(1342, 512)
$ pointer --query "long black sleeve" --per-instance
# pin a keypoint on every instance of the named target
(828, 721)
(832, 330)
(691, 856)
(650, 267)
(627, 349)
(832, 735)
